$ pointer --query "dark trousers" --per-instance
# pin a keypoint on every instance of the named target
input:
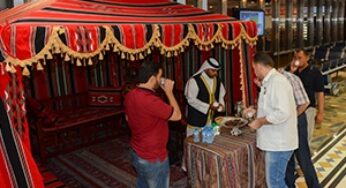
(303, 157)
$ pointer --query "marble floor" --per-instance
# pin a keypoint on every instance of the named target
(329, 141)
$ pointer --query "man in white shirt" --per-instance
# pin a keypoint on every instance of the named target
(276, 121)
(205, 96)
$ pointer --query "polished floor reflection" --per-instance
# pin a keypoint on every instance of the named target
(329, 142)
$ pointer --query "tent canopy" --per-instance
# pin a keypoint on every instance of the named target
(83, 29)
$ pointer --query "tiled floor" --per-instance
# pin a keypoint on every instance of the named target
(329, 142)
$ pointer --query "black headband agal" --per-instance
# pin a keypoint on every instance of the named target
(213, 65)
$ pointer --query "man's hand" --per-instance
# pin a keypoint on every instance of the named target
(293, 67)
(249, 111)
(257, 82)
(319, 117)
(213, 108)
(256, 124)
(221, 108)
(167, 86)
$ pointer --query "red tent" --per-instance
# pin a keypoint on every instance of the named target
(85, 32)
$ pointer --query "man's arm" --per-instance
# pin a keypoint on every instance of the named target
(320, 106)
(301, 108)
(168, 88)
(191, 92)
(300, 95)
(259, 122)
(222, 97)
(319, 94)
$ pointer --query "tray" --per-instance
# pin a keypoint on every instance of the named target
(230, 121)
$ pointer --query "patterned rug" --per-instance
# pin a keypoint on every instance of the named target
(103, 165)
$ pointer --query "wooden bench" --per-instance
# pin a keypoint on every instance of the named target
(66, 123)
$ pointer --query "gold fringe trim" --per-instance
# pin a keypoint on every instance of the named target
(39, 66)
(26, 71)
(101, 56)
(67, 57)
(13, 70)
(79, 63)
(90, 62)
(242, 81)
(8, 67)
(55, 45)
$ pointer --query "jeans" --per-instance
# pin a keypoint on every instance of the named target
(310, 116)
(275, 167)
(304, 158)
(151, 174)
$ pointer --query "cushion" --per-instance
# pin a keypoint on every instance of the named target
(85, 115)
(34, 107)
(105, 96)
(49, 116)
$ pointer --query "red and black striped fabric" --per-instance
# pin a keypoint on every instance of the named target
(110, 12)
(17, 166)
(83, 28)
(25, 30)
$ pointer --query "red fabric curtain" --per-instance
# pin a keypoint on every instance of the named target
(14, 99)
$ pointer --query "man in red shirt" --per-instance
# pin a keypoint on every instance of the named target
(148, 115)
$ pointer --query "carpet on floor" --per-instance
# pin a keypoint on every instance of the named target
(104, 165)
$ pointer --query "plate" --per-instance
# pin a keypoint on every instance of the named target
(230, 121)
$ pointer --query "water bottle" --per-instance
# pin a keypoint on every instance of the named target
(196, 136)
(204, 135)
(208, 136)
(211, 136)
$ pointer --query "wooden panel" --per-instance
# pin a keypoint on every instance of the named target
(300, 19)
(327, 19)
(334, 21)
(288, 23)
(341, 20)
(319, 23)
(275, 25)
(311, 25)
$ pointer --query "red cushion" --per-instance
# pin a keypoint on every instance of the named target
(105, 96)
(34, 106)
(84, 115)
(50, 117)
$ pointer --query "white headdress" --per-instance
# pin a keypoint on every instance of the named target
(209, 63)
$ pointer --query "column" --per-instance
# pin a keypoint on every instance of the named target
(288, 23)
(243, 3)
(327, 17)
(19, 2)
(203, 4)
(275, 25)
(181, 2)
(334, 19)
(224, 7)
(341, 20)
(319, 22)
(3, 5)
(311, 25)
(300, 22)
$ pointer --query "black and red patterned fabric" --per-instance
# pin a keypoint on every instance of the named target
(17, 166)
(105, 96)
